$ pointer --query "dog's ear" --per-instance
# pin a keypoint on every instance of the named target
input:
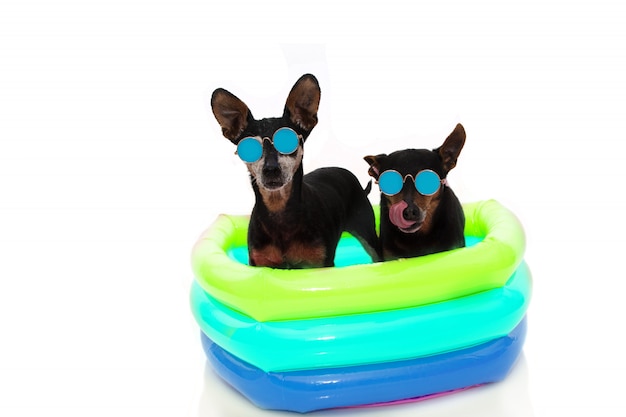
(231, 113)
(303, 102)
(374, 162)
(451, 148)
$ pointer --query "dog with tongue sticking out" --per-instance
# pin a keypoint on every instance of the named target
(419, 212)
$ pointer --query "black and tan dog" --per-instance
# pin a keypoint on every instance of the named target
(297, 219)
(419, 212)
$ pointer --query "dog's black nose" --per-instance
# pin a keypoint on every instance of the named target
(411, 212)
(271, 171)
(270, 163)
(271, 168)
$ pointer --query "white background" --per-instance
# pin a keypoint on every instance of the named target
(111, 165)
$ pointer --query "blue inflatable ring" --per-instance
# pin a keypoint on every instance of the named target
(309, 390)
(365, 338)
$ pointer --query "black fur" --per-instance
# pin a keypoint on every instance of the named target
(439, 218)
(297, 219)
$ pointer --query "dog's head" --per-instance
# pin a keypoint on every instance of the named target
(273, 170)
(409, 209)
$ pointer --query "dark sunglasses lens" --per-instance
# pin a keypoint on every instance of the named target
(427, 182)
(249, 150)
(286, 141)
(390, 182)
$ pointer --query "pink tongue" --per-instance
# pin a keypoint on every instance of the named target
(395, 215)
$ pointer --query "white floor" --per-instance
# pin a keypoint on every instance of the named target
(111, 165)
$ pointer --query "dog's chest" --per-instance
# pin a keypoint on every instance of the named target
(289, 249)
(295, 255)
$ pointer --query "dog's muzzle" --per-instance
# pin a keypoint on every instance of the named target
(398, 219)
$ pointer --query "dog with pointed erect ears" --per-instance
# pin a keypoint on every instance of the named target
(297, 219)
(419, 212)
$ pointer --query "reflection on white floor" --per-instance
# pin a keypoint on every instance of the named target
(508, 398)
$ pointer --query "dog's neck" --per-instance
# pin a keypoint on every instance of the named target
(276, 200)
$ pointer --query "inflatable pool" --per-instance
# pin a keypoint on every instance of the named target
(396, 316)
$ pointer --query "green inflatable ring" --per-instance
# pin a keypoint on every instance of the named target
(267, 294)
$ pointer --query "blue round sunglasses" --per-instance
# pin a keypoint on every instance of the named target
(285, 141)
(427, 182)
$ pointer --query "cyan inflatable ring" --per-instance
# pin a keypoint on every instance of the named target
(310, 390)
(365, 338)
(267, 294)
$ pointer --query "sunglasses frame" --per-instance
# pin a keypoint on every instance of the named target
(442, 181)
(261, 141)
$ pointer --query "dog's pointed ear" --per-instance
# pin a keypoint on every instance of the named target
(303, 102)
(374, 162)
(231, 113)
(451, 148)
